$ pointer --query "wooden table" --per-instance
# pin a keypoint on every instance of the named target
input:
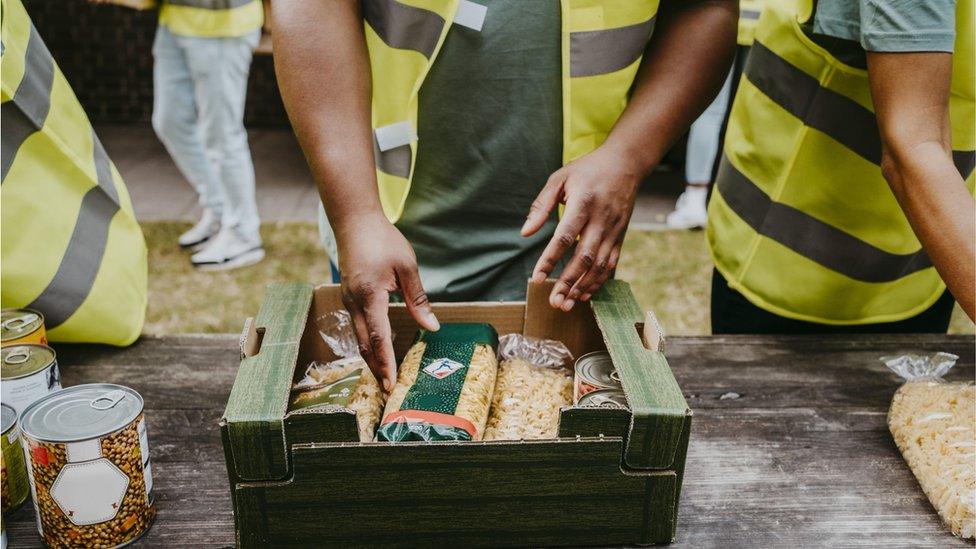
(789, 443)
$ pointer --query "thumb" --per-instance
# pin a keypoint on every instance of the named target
(544, 203)
(416, 298)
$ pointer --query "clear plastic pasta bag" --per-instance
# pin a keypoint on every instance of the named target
(933, 423)
(346, 382)
(534, 381)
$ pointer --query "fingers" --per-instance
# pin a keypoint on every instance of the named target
(562, 240)
(379, 336)
(582, 261)
(602, 269)
(416, 298)
(362, 333)
(543, 204)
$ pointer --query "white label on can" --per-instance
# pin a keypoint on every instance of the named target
(22, 391)
(13, 435)
(85, 450)
(144, 452)
(90, 492)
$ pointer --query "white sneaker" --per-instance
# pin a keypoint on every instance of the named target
(690, 211)
(226, 251)
(204, 230)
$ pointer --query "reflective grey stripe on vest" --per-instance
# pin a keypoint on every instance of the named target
(404, 27)
(210, 4)
(26, 112)
(841, 118)
(751, 15)
(810, 237)
(605, 51)
(82, 259)
(395, 161)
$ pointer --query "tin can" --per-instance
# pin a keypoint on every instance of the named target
(13, 486)
(28, 372)
(595, 371)
(604, 398)
(21, 326)
(88, 464)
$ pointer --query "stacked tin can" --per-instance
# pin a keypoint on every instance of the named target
(596, 382)
(88, 464)
(21, 326)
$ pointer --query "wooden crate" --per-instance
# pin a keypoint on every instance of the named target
(303, 479)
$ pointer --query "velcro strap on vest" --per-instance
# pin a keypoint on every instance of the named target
(395, 135)
(470, 14)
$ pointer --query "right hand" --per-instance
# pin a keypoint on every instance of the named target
(375, 260)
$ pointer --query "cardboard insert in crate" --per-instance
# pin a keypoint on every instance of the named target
(297, 478)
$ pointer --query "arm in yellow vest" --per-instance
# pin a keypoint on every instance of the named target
(682, 70)
(324, 76)
(911, 98)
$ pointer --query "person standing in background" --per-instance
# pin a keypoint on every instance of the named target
(706, 132)
(843, 201)
(202, 55)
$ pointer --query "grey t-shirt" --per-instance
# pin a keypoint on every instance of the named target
(489, 136)
(889, 25)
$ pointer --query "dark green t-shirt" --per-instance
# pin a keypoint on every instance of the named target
(489, 136)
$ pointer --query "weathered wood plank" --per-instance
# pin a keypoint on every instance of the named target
(802, 458)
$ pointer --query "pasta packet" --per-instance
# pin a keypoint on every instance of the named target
(346, 382)
(444, 385)
(535, 380)
(933, 423)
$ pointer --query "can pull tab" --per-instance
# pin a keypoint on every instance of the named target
(108, 400)
(615, 376)
(17, 355)
(19, 322)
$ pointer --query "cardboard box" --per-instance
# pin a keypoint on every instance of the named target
(302, 478)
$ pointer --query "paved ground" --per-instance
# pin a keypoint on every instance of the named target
(284, 187)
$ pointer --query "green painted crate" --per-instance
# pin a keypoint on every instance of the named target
(303, 478)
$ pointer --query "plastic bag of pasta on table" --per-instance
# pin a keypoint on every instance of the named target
(535, 379)
(933, 423)
(443, 386)
(343, 383)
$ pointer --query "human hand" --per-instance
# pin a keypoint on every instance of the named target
(599, 190)
(375, 260)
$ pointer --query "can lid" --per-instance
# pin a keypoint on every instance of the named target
(604, 398)
(24, 360)
(8, 416)
(598, 369)
(81, 412)
(15, 323)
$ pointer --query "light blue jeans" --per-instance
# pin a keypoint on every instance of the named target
(199, 87)
(703, 137)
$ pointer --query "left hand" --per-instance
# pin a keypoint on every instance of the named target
(599, 190)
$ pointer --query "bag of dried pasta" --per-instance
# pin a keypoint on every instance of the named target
(535, 380)
(444, 385)
(933, 422)
(343, 383)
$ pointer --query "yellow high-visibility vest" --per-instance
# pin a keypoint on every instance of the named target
(801, 221)
(71, 246)
(749, 12)
(211, 18)
(602, 45)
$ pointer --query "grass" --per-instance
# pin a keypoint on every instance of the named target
(669, 272)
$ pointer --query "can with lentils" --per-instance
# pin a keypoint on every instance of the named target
(21, 326)
(14, 473)
(595, 371)
(88, 465)
(29, 372)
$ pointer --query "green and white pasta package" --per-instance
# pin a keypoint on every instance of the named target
(444, 386)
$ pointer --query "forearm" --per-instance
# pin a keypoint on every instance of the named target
(941, 212)
(682, 70)
(323, 71)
